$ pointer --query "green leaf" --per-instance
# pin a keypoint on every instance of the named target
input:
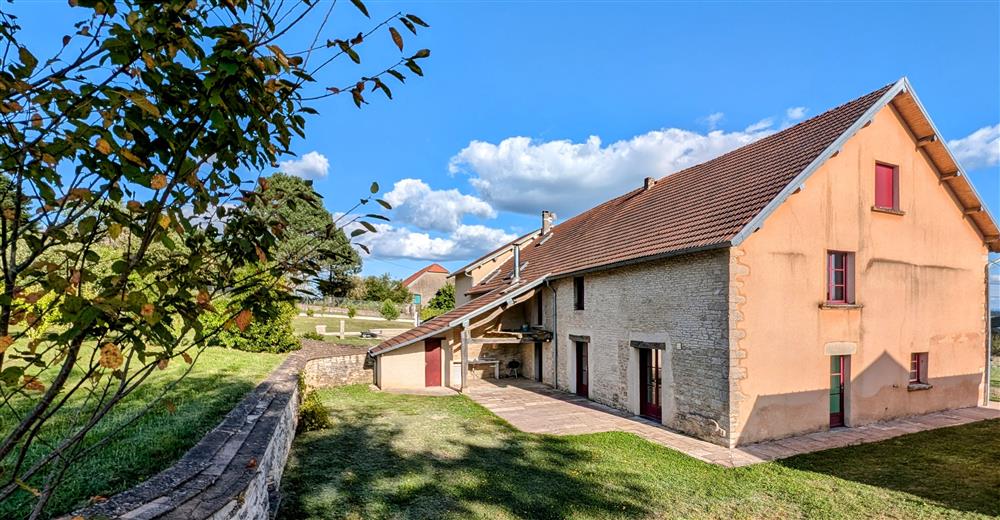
(396, 38)
(398, 75)
(357, 232)
(368, 226)
(412, 65)
(422, 53)
(361, 7)
(29, 60)
(384, 204)
(143, 103)
(380, 85)
(374, 187)
(409, 25)
(364, 248)
(415, 19)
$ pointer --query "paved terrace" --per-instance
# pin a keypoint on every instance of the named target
(537, 408)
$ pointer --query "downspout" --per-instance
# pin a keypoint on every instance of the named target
(555, 336)
(989, 334)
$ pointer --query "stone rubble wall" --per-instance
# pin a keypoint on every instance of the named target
(235, 470)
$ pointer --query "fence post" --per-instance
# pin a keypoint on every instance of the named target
(341, 329)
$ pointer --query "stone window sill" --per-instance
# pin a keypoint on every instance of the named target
(916, 387)
(891, 211)
(828, 305)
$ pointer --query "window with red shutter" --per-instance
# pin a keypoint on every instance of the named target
(886, 186)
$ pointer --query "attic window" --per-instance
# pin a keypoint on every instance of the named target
(886, 187)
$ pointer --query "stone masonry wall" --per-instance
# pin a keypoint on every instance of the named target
(681, 302)
(327, 372)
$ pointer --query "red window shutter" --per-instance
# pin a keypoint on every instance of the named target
(885, 186)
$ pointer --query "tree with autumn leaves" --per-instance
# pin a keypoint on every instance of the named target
(135, 161)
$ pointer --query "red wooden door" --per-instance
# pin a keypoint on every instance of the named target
(432, 362)
(837, 366)
(582, 370)
(650, 383)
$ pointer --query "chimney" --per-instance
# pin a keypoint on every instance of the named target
(650, 182)
(547, 218)
(517, 264)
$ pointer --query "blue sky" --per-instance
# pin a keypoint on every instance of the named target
(557, 105)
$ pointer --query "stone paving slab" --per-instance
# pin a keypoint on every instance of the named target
(536, 408)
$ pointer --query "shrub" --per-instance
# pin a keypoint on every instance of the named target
(429, 312)
(312, 414)
(313, 335)
(270, 328)
(352, 311)
(995, 346)
(310, 312)
(389, 310)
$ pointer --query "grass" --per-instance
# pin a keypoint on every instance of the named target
(396, 456)
(219, 380)
(303, 324)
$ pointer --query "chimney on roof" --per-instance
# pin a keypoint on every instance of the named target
(649, 183)
(547, 218)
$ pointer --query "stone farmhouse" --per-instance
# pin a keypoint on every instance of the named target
(427, 282)
(832, 274)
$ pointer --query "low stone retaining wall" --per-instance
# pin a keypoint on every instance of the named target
(235, 470)
(342, 370)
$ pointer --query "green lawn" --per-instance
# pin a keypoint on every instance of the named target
(303, 324)
(395, 456)
(218, 381)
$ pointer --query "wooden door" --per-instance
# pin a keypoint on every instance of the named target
(582, 370)
(432, 362)
(837, 377)
(650, 383)
(538, 361)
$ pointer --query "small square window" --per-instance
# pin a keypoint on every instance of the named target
(886, 187)
(918, 368)
(840, 277)
(578, 293)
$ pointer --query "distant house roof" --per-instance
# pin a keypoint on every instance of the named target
(433, 268)
(711, 205)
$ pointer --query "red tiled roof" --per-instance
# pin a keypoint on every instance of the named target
(701, 207)
(433, 268)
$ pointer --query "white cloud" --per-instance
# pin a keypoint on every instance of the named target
(312, 165)
(414, 202)
(525, 176)
(980, 149)
(795, 113)
(713, 120)
(464, 243)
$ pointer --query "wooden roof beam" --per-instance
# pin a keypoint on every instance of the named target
(926, 140)
(970, 211)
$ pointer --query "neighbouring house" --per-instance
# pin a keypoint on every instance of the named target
(427, 282)
(831, 274)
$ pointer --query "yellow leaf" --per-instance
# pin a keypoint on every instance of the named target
(158, 182)
(5, 342)
(243, 319)
(134, 206)
(126, 153)
(187, 358)
(9, 214)
(36, 120)
(111, 356)
(103, 146)
(162, 365)
(115, 230)
(147, 310)
(164, 221)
